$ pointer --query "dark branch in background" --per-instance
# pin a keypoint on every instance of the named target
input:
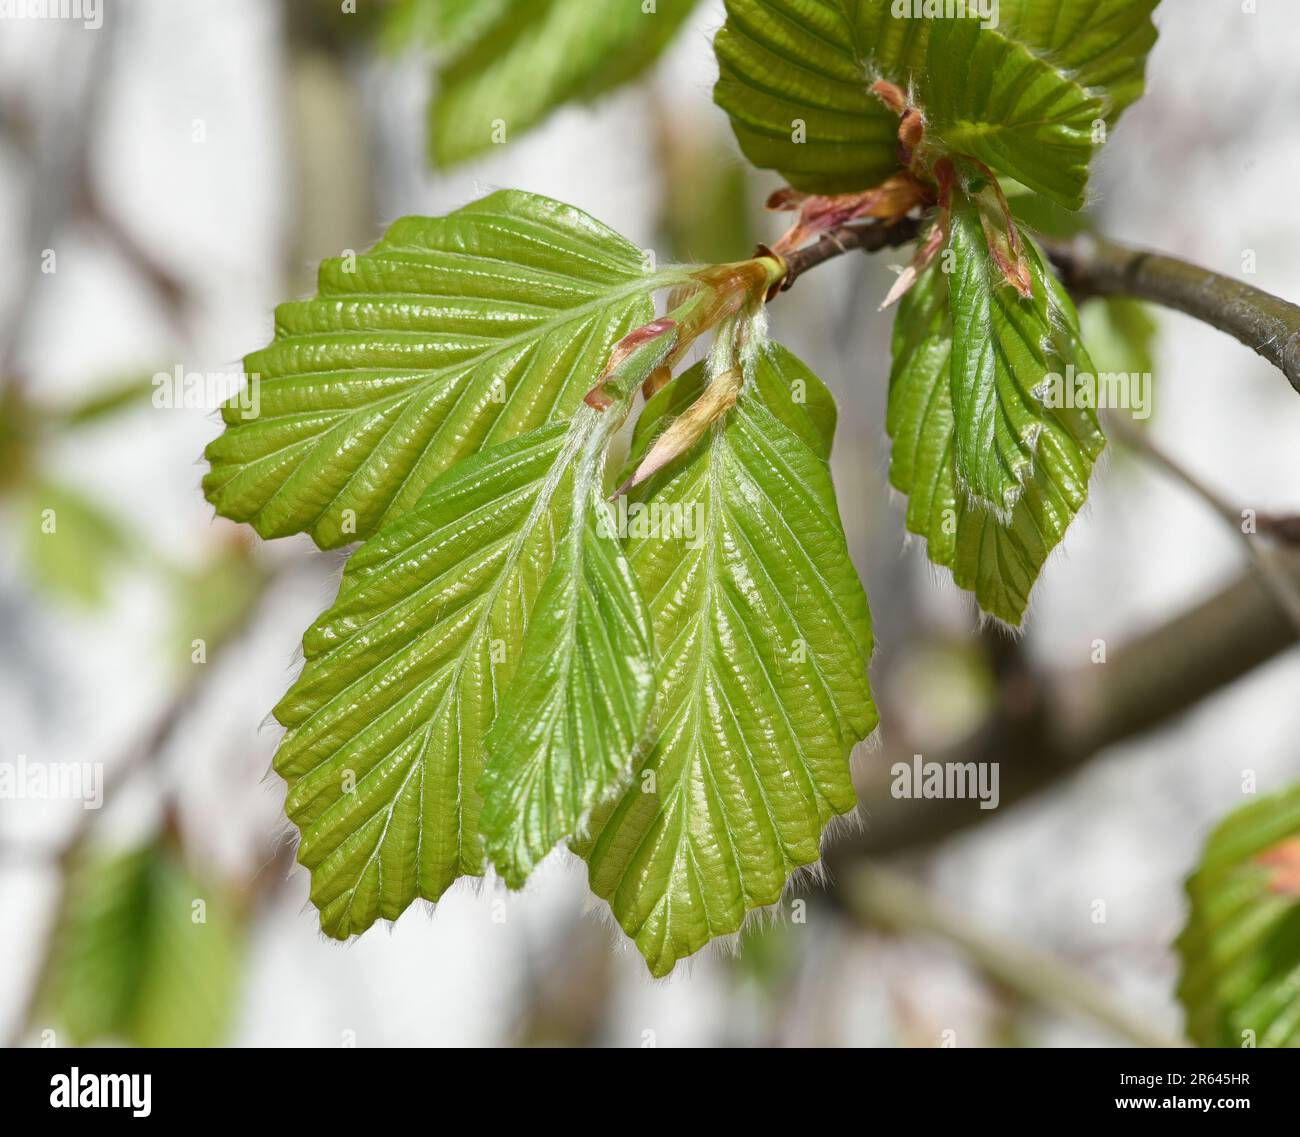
(172, 292)
(1093, 266)
(1045, 727)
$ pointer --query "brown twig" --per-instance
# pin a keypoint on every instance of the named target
(869, 238)
(1094, 266)
(1270, 326)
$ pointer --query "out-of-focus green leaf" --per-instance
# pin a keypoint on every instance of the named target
(1240, 948)
(446, 24)
(213, 600)
(137, 959)
(110, 399)
(1120, 334)
(767, 957)
(536, 55)
(1041, 214)
(19, 423)
(72, 543)
(705, 205)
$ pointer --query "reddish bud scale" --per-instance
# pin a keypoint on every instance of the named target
(1284, 860)
(597, 397)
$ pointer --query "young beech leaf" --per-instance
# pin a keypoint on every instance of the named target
(793, 77)
(535, 55)
(1240, 949)
(762, 638)
(1102, 44)
(1023, 97)
(452, 334)
(998, 558)
(992, 98)
(500, 570)
(386, 722)
(567, 731)
(1004, 348)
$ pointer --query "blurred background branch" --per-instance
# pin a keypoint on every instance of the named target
(884, 899)
(1272, 574)
(1045, 726)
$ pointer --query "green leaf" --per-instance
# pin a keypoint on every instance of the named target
(536, 55)
(406, 672)
(996, 558)
(1240, 948)
(130, 962)
(1102, 44)
(1023, 98)
(1041, 214)
(451, 335)
(21, 429)
(120, 394)
(566, 735)
(212, 601)
(993, 99)
(706, 197)
(386, 721)
(762, 636)
(1004, 348)
(793, 77)
(448, 24)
